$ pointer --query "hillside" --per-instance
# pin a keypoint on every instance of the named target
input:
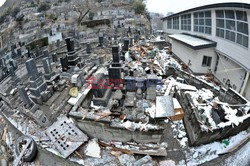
(10, 3)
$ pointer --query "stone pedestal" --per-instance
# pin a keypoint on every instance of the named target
(72, 57)
(24, 96)
(38, 88)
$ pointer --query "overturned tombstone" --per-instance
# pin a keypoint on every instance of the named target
(101, 94)
(34, 112)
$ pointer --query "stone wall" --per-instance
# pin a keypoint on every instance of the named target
(196, 135)
(229, 96)
(105, 131)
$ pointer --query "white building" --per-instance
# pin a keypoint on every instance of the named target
(224, 49)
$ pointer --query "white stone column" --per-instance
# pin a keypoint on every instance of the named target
(244, 84)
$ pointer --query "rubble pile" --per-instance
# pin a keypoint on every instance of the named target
(111, 99)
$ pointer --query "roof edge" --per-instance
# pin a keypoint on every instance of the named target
(213, 44)
(216, 5)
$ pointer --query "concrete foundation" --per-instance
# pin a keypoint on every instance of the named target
(108, 132)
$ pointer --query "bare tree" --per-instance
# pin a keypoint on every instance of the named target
(83, 7)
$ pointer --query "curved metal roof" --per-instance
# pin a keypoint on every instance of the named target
(217, 5)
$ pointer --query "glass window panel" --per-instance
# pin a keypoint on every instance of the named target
(229, 14)
(208, 22)
(207, 30)
(201, 14)
(245, 41)
(196, 28)
(219, 14)
(242, 40)
(230, 24)
(201, 29)
(230, 35)
(242, 27)
(204, 61)
(239, 38)
(240, 15)
(201, 21)
(208, 14)
(195, 21)
(220, 32)
(195, 15)
(209, 59)
(220, 23)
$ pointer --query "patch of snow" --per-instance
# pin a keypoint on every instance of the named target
(240, 158)
(208, 152)
(132, 126)
(151, 110)
(180, 133)
(185, 86)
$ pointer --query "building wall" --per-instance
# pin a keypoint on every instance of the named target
(235, 51)
(228, 70)
(106, 132)
(194, 58)
(246, 92)
(238, 55)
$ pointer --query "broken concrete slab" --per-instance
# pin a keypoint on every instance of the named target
(93, 149)
(59, 133)
(164, 107)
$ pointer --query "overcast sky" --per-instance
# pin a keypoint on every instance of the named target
(2, 2)
(165, 6)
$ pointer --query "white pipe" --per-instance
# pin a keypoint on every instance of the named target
(245, 84)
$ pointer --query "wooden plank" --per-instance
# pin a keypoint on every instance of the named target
(149, 151)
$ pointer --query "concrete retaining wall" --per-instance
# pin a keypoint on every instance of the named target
(104, 131)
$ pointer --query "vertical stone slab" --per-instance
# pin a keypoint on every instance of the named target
(32, 69)
(24, 96)
(115, 53)
(46, 65)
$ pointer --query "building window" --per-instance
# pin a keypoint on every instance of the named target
(202, 22)
(186, 22)
(169, 23)
(232, 25)
(206, 62)
(176, 22)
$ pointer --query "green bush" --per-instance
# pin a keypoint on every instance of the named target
(139, 6)
(43, 7)
(15, 11)
(4, 15)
